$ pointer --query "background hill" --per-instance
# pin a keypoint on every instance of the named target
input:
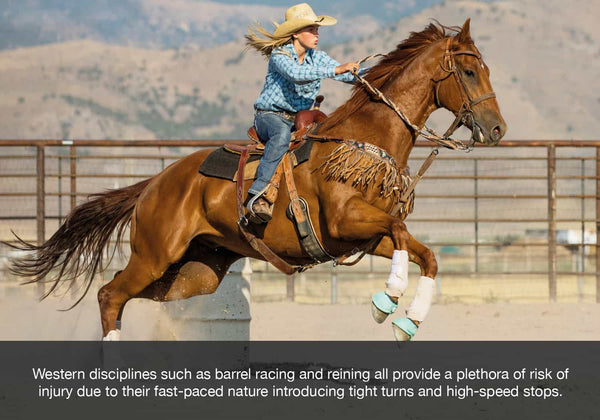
(544, 56)
(175, 23)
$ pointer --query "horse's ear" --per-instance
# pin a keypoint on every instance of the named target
(465, 33)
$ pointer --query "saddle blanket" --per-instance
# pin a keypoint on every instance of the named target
(223, 162)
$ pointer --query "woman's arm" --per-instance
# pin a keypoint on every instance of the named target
(293, 72)
(323, 68)
(343, 71)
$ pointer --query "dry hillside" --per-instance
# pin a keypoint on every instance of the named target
(544, 56)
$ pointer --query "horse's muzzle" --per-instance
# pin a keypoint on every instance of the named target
(490, 136)
(494, 135)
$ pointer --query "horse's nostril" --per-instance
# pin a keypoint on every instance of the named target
(497, 132)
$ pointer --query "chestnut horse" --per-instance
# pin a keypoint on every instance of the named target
(184, 230)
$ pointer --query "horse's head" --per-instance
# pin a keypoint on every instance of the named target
(464, 87)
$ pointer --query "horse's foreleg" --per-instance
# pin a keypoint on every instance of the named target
(358, 220)
(417, 253)
(421, 303)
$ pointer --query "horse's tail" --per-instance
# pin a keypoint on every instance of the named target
(77, 246)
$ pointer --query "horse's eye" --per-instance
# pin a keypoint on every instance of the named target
(469, 73)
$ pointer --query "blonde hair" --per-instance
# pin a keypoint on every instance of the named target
(267, 43)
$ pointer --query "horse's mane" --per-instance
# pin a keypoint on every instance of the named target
(388, 68)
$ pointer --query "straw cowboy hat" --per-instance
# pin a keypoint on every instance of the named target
(300, 16)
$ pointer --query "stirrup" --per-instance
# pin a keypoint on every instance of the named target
(259, 218)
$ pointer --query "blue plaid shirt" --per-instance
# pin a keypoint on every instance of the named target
(291, 86)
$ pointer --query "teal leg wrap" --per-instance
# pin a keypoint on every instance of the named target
(406, 325)
(383, 302)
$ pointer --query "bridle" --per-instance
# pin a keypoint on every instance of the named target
(465, 113)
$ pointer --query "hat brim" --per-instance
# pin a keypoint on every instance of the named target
(290, 27)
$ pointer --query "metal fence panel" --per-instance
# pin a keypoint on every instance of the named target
(524, 211)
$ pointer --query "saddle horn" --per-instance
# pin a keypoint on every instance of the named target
(317, 104)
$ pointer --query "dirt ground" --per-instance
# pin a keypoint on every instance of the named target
(483, 322)
(23, 317)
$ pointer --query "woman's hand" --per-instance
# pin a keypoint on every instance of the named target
(347, 67)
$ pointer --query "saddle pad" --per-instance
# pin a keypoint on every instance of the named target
(223, 163)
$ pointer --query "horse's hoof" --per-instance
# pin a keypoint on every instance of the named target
(382, 306)
(404, 329)
(113, 335)
(378, 316)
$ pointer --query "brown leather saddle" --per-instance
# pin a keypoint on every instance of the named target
(305, 119)
(225, 161)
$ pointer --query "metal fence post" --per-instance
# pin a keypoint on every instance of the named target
(41, 195)
(73, 177)
(552, 223)
(60, 191)
(334, 286)
(597, 224)
(41, 205)
(581, 247)
(290, 289)
(476, 193)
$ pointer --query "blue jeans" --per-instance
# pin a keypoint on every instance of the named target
(275, 132)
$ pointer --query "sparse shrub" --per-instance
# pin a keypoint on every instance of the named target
(224, 98)
(234, 60)
(505, 240)
(92, 74)
(95, 107)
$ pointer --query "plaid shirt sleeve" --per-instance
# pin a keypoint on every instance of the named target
(292, 71)
(326, 60)
(291, 86)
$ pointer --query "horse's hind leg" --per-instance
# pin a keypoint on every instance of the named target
(190, 277)
(113, 296)
(200, 273)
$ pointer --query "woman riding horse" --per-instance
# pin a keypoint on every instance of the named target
(185, 232)
(293, 81)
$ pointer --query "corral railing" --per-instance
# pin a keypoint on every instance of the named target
(525, 210)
